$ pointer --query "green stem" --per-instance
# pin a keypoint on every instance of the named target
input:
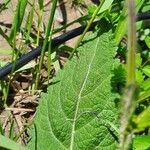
(49, 57)
(87, 28)
(30, 21)
(131, 43)
(130, 93)
(40, 14)
(49, 28)
(16, 138)
(82, 18)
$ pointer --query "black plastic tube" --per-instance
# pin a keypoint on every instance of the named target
(143, 16)
(55, 42)
(24, 59)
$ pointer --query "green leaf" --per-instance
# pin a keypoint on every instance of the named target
(5, 51)
(122, 24)
(118, 80)
(1, 127)
(146, 32)
(138, 60)
(142, 120)
(27, 66)
(75, 112)
(147, 41)
(91, 9)
(29, 21)
(145, 94)
(9, 144)
(141, 142)
(106, 5)
(146, 6)
(2, 63)
(146, 70)
(146, 84)
(18, 18)
(139, 25)
(40, 2)
(139, 77)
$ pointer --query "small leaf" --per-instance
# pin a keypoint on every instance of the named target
(27, 66)
(142, 120)
(18, 18)
(138, 59)
(139, 25)
(147, 41)
(141, 142)
(106, 5)
(1, 126)
(9, 144)
(2, 63)
(146, 32)
(146, 84)
(144, 95)
(146, 70)
(122, 24)
(75, 112)
(91, 9)
(5, 51)
(139, 77)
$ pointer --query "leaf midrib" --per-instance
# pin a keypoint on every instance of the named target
(79, 98)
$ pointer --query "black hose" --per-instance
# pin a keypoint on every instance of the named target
(55, 42)
(143, 16)
(24, 59)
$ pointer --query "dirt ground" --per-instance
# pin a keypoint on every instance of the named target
(65, 13)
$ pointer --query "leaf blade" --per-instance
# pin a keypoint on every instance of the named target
(80, 101)
(9, 144)
(141, 142)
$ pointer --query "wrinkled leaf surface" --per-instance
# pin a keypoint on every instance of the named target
(76, 111)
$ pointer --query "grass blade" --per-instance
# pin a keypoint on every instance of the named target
(48, 34)
(18, 18)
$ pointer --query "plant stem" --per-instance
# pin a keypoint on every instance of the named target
(87, 28)
(48, 33)
(40, 14)
(82, 18)
(127, 110)
(30, 21)
(131, 42)
(130, 93)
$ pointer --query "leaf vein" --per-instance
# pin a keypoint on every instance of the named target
(79, 97)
